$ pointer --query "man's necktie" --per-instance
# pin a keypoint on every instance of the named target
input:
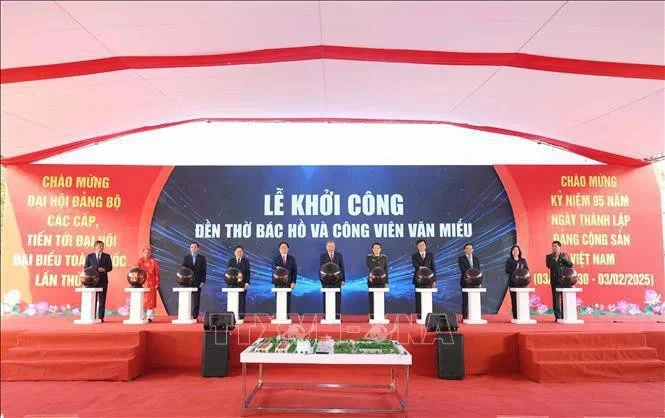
(98, 257)
(284, 260)
(238, 261)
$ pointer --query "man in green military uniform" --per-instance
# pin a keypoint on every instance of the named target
(374, 260)
(557, 261)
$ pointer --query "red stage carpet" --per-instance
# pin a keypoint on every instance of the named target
(185, 394)
(165, 359)
(53, 348)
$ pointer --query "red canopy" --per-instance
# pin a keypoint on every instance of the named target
(587, 76)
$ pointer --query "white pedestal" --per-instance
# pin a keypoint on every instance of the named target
(522, 296)
(425, 303)
(473, 304)
(184, 305)
(331, 311)
(569, 305)
(136, 316)
(281, 315)
(233, 301)
(379, 293)
(88, 305)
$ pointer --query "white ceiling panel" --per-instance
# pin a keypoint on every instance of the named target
(97, 14)
(447, 26)
(21, 17)
(40, 48)
(21, 134)
(13, 91)
(617, 31)
(274, 89)
(279, 78)
(626, 131)
(194, 28)
(116, 88)
(548, 103)
(398, 91)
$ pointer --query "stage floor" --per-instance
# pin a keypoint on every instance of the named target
(186, 394)
(171, 386)
(489, 349)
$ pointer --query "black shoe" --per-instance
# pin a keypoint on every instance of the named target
(101, 319)
(149, 320)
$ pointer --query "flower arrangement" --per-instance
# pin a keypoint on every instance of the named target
(652, 305)
(13, 305)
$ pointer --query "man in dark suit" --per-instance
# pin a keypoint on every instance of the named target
(557, 261)
(197, 263)
(421, 259)
(288, 262)
(100, 261)
(465, 262)
(241, 262)
(332, 256)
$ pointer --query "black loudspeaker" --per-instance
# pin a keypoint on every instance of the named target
(215, 355)
(450, 355)
(220, 321)
(441, 322)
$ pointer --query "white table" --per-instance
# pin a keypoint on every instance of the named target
(331, 308)
(281, 315)
(233, 301)
(136, 316)
(88, 305)
(392, 360)
(473, 305)
(522, 299)
(569, 305)
(184, 305)
(425, 302)
(379, 293)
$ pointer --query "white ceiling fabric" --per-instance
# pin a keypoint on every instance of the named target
(618, 115)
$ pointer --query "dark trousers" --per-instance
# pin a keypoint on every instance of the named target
(241, 304)
(465, 305)
(196, 301)
(101, 301)
(371, 305)
(513, 303)
(288, 304)
(557, 301)
(418, 295)
(338, 304)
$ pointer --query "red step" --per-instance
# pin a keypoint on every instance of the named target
(94, 355)
(79, 339)
(72, 353)
(72, 369)
(589, 357)
(577, 339)
(592, 354)
(599, 371)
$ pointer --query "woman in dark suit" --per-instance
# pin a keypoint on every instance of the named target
(515, 261)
